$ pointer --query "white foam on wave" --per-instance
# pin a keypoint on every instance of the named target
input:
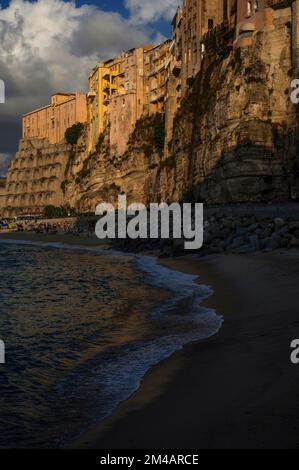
(101, 250)
(122, 374)
(185, 303)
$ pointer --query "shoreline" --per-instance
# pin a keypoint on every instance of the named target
(230, 386)
(223, 392)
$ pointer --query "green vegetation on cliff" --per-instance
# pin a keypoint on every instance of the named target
(73, 133)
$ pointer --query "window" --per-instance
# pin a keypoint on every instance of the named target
(288, 29)
(249, 8)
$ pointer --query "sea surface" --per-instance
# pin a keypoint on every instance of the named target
(81, 328)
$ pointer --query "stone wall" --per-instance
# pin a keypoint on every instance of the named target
(34, 177)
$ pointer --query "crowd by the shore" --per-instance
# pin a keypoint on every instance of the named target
(62, 227)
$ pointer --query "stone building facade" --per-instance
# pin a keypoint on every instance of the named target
(198, 17)
(199, 27)
(155, 71)
(116, 98)
(53, 120)
(103, 81)
(126, 104)
(34, 178)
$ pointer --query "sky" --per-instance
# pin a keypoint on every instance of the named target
(51, 45)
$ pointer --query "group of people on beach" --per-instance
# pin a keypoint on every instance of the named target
(48, 227)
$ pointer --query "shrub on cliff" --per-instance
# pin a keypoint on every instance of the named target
(52, 212)
(73, 133)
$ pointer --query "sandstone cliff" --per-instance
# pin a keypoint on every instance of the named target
(103, 175)
(234, 140)
(234, 137)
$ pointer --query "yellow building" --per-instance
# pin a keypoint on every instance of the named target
(105, 80)
(116, 97)
(51, 122)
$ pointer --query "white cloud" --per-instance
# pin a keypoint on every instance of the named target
(51, 45)
(148, 11)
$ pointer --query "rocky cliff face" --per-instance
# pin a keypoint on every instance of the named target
(234, 137)
(234, 140)
(103, 175)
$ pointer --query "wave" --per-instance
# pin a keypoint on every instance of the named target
(119, 373)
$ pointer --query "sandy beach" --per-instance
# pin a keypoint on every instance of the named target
(237, 389)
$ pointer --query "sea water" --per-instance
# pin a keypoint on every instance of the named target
(81, 328)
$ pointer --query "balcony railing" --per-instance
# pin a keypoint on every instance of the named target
(277, 3)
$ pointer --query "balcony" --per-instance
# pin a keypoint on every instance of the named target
(277, 3)
(154, 97)
(176, 67)
(91, 96)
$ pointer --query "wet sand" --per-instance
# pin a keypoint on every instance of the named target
(68, 239)
(237, 389)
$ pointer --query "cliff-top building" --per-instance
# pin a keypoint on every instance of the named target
(38, 169)
(127, 103)
(116, 98)
(155, 71)
(51, 122)
(141, 82)
(102, 83)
